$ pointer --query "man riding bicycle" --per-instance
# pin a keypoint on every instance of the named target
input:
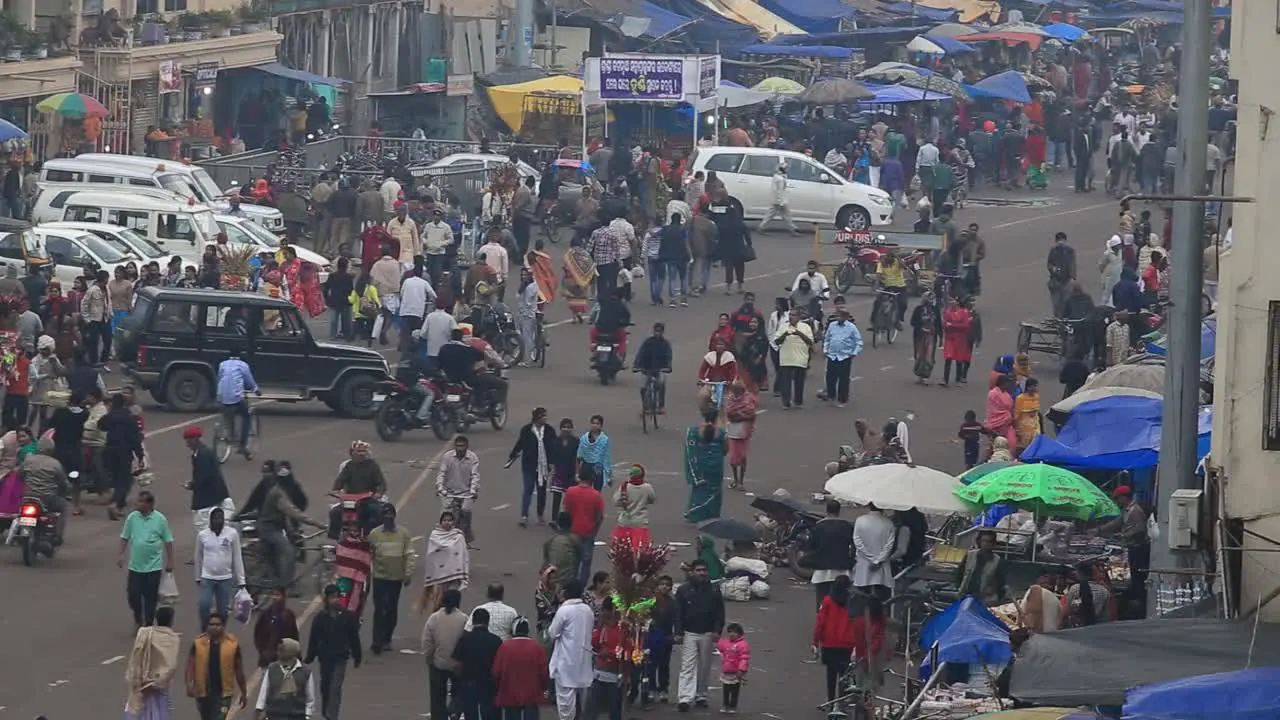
(234, 379)
(654, 358)
(893, 279)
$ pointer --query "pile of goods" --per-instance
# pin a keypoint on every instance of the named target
(954, 702)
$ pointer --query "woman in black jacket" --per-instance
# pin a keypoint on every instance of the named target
(534, 447)
(564, 462)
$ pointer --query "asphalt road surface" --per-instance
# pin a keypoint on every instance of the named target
(67, 628)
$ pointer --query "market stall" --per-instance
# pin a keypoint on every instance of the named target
(550, 107)
(656, 100)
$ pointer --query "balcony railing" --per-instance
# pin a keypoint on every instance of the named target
(288, 7)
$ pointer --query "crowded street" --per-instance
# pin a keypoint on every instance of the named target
(68, 628)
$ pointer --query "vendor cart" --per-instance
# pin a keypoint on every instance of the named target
(1053, 336)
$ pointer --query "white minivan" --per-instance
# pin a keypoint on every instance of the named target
(814, 192)
(241, 231)
(121, 238)
(176, 227)
(134, 171)
(72, 249)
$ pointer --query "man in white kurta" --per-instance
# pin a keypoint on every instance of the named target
(873, 543)
(571, 669)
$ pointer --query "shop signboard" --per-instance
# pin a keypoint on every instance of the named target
(170, 79)
(207, 73)
(707, 75)
(644, 78)
(460, 85)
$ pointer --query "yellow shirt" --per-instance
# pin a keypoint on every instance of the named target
(891, 276)
(794, 351)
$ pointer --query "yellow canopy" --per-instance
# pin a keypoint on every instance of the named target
(508, 100)
(748, 12)
(969, 10)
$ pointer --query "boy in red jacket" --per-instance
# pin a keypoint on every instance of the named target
(612, 646)
(520, 674)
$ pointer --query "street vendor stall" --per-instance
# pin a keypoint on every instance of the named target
(650, 84)
(557, 96)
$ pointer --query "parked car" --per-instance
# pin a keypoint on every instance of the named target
(71, 250)
(814, 192)
(174, 339)
(174, 225)
(121, 238)
(244, 231)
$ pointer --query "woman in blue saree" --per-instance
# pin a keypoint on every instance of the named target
(704, 450)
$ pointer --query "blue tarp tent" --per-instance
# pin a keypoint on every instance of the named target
(966, 633)
(1252, 694)
(1064, 32)
(828, 52)
(950, 46)
(1007, 85)
(662, 22)
(815, 16)
(1113, 433)
(890, 94)
(1208, 340)
(708, 31)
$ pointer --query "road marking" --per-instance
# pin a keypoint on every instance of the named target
(194, 421)
(1060, 213)
(110, 660)
(886, 368)
(255, 681)
(855, 378)
(503, 506)
(746, 279)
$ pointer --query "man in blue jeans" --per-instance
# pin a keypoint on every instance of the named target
(585, 506)
(234, 380)
(219, 566)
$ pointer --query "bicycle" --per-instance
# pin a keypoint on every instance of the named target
(224, 437)
(649, 394)
(884, 316)
(540, 339)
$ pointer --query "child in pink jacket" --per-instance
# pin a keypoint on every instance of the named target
(735, 659)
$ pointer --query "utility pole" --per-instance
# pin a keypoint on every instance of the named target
(522, 24)
(555, 43)
(1179, 434)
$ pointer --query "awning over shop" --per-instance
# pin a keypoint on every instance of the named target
(905, 8)
(662, 22)
(827, 52)
(891, 94)
(1009, 85)
(748, 12)
(1065, 32)
(708, 30)
(970, 10)
(288, 73)
(508, 100)
(811, 15)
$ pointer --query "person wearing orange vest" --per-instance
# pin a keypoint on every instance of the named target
(215, 671)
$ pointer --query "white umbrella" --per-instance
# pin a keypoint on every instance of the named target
(1081, 397)
(922, 44)
(898, 487)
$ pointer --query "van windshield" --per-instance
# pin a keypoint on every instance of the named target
(206, 186)
(105, 251)
(260, 235)
(132, 242)
(204, 223)
(176, 183)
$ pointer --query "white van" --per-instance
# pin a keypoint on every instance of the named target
(814, 192)
(121, 238)
(172, 225)
(72, 249)
(134, 171)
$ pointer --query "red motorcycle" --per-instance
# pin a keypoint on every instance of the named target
(399, 403)
(862, 261)
(350, 521)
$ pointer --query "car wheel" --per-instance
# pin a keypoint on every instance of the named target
(356, 397)
(853, 218)
(187, 390)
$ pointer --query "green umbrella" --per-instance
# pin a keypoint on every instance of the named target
(1043, 489)
(978, 472)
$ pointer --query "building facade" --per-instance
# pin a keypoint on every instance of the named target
(1246, 431)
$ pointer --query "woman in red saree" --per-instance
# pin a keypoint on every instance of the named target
(303, 281)
(999, 418)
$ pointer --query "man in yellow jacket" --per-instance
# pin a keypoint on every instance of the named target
(215, 671)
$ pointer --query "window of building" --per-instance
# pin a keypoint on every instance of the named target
(175, 5)
(148, 7)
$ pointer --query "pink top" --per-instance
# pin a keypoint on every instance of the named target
(735, 655)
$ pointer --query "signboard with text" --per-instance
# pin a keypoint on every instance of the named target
(653, 78)
(707, 71)
(170, 77)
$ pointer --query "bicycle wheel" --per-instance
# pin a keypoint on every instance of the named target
(540, 343)
(645, 402)
(221, 446)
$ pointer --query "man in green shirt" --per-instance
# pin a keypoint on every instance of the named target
(393, 560)
(149, 541)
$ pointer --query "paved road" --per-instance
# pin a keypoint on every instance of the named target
(66, 625)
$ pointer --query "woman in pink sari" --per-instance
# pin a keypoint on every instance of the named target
(999, 418)
(304, 283)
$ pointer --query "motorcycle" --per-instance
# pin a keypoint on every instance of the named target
(35, 530)
(458, 407)
(861, 265)
(499, 330)
(789, 525)
(606, 359)
(398, 406)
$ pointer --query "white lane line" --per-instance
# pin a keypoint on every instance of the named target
(111, 660)
(1061, 213)
(855, 378)
(886, 368)
(193, 421)
(255, 682)
(503, 506)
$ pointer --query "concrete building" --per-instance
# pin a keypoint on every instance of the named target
(1246, 431)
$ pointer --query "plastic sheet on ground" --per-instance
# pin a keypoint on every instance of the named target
(1252, 694)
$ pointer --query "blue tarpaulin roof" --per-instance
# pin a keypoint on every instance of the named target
(1064, 31)
(1121, 432)
(662, 22)
(950, 45)
(1208, 340)
(889, 94)
(1008, 85)
(830, 52)
(882, 33)
(906, 8)
(288, 73)
(711, 31)
(1159, 6)
(1252, 694)
(815, 16)
(966, 633)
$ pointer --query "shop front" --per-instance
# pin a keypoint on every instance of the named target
(164, 98)
(24, 84)
(659, 101)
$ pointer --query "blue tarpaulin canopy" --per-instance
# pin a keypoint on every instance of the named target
(1064, 32)
(950, 45)
(1008, 85)
(890, 94)
(966, 633)
(815, 16)
(1252, 694)
(829, 52)
(711, 31)
(662, 22)
(288, 73)
(1120, 432)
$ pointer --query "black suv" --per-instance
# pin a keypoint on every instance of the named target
(172, 342)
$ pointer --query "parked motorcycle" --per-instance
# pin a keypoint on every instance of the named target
(862, 264)
(787, 525)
